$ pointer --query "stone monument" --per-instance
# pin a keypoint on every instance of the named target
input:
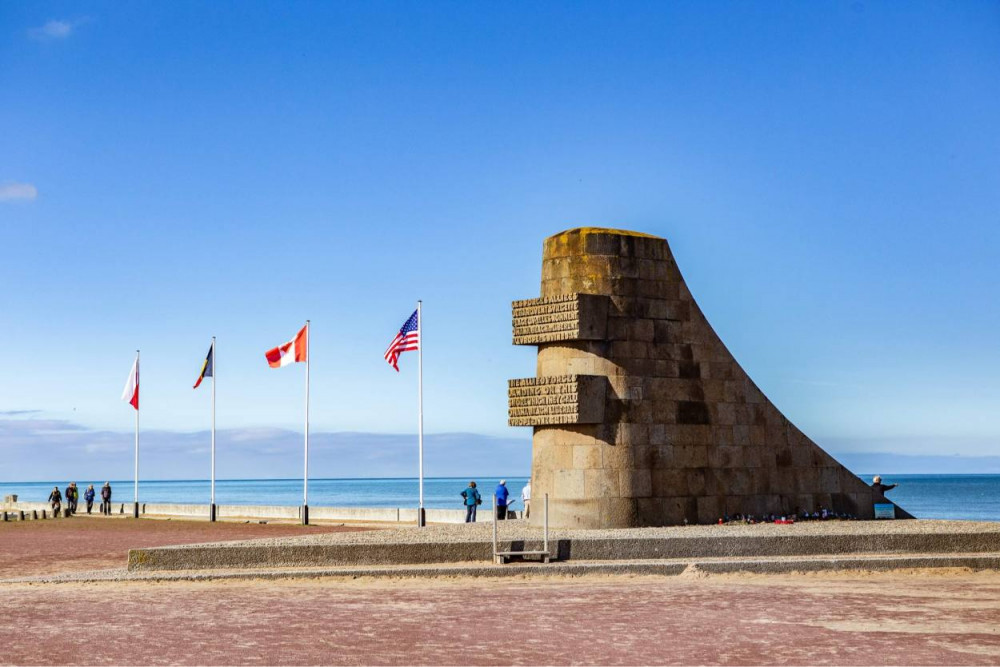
(641, 415)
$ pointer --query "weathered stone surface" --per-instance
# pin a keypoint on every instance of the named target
(561, 399)
(641, 415)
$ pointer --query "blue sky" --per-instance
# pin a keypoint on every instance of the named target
(828, 176)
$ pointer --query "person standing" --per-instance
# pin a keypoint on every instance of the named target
(472, 501)
(68, 495)
(879, 489)
(55, 499)
(88, 495)
(502, 494)
(526, 499)
(76, 496)
(106, 499)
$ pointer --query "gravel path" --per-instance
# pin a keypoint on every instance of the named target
(516, 530)
(706, 566)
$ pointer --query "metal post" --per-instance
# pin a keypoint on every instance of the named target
(215, 374)
(421, 519)
(305, 475)
(545, 524)
(135, 507)
(494, 528)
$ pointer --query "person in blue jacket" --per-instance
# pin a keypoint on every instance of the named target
(88, 495)
(502, 495)
(472, 501)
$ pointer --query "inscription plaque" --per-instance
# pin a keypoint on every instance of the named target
(559, 399)
(560, 318)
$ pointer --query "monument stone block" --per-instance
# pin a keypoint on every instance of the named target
(641, 416)
(557, 399)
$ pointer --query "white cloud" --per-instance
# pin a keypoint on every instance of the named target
(17, 191)
(47, 449)
(53, 30)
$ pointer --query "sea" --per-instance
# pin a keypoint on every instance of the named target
(970, 497)
(439, 492)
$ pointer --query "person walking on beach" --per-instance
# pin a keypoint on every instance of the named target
(502, 494)
(526, 499)
(76, 497)
(472, 501)
(106, 499)
(88, 495)
(55, 499)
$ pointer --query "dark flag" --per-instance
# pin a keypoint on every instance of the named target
(207, 367)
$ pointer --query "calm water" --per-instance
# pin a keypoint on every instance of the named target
(395, 492)
(946, 496)
(925, 496)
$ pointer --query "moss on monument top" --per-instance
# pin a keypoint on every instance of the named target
(593, 242)
(586, 231)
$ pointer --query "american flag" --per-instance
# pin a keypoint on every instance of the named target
(407, 339)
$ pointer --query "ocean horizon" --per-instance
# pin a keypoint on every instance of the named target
(966, 497)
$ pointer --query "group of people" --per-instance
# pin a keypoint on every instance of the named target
(472, 500)
(72, 496)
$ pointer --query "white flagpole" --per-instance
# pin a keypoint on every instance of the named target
(135, 506)
(305, 475)
(420, 407)
(215, 374)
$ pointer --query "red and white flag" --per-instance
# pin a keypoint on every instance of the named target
(407, 339)
(294, 350)
(131, 393)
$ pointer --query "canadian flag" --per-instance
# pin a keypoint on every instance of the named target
(294, 350)
(131, 393)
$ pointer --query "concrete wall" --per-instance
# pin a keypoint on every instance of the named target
(27, 507)
(317, 513)
(404, 515)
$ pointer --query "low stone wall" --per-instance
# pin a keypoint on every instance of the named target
(286, 512)
(25, 511)
(629, 548)
(27, 507)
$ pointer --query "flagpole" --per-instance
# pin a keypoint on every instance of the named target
(305, 476)
(214, 376)
(421, 519)
(135, 506)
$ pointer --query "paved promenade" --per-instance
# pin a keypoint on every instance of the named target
(81, 543)
(906, 617)
(922, 618)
